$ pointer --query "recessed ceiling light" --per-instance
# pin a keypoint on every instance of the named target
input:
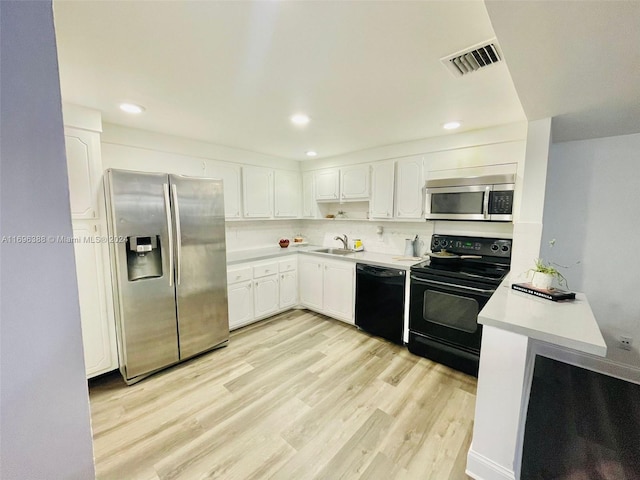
(451, 125)
(300, 119)
(131, 108)
(311, 153)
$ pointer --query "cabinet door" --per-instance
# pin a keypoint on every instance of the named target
(309, 205)
(98, 326)
(266, 297)
(382, 182)
(257, 192)
(338, 288)
(310, 283)
(84, 168)
(230, 175)
(354, 183)
(240, 304)
(409, 188)
(288, 289)
(327, 183)
(286, 194)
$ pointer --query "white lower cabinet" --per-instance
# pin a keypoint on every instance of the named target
(240, 298)
(328, 286)
(288, 283)
(310, 286)
(98, 327)
(266, 296)
(338, 288)
(260, 289)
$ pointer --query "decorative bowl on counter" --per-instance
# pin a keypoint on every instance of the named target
(284, 242)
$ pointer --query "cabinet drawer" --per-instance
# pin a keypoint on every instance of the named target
(287, 265)
(265, 269)
(238, 275)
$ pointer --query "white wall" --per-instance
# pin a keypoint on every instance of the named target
(591, 209)
(44, 412)
(513, 132)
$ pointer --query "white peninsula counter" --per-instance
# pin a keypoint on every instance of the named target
(516, 328)
(567, 324)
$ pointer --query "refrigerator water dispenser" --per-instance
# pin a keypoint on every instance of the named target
(144, 257)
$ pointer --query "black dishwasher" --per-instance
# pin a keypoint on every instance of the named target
(380, 301)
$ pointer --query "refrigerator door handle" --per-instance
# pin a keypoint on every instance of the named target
(174, 192)
(167, 207)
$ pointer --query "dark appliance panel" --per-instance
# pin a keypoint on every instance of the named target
(380, 301)
(446, 298)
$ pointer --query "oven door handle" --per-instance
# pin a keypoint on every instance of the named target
(451, 285)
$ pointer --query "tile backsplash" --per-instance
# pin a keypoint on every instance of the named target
(244, 235)
(391, 240)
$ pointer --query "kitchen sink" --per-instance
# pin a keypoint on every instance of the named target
(335, 251)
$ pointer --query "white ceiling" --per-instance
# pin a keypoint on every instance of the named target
(575, 61)
(368, 72)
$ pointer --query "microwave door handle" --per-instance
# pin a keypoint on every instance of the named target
(485, 203)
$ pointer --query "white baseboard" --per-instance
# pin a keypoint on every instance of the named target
(482, 468)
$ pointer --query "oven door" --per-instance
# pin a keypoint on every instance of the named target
(447, 312)
(458, 203)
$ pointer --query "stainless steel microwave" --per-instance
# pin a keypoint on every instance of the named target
(488, 198)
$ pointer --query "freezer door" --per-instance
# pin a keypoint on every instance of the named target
(139, 210)
(201, 263)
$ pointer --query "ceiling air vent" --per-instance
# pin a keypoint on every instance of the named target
(472, 59)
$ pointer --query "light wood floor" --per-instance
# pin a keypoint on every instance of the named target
(296, 397)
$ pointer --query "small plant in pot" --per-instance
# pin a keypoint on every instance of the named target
(543, 274)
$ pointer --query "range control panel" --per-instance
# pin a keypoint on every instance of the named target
(489, 247)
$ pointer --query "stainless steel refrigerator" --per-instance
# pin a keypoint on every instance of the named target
(168, 257)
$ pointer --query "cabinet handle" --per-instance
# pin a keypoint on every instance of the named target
(282, 277)
(249, 286)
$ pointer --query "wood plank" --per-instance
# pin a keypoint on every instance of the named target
(298, 395)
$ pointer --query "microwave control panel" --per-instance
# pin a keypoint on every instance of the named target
(501, 202)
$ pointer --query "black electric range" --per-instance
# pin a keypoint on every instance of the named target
(447, 295)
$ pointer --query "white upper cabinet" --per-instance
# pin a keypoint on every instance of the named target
(327, 185)
(409, 188)
(382, 183)
(342, 184)
(230, 176)
(84, 167)
(286, 194)
(309, 206)
(354, 183)
(257, 192)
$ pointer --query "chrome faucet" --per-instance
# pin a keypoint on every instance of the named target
(345, 241)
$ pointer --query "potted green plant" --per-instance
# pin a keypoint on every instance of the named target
(543, 274)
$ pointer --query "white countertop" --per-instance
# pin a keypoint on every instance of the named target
(371, 258)
(568, 324)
